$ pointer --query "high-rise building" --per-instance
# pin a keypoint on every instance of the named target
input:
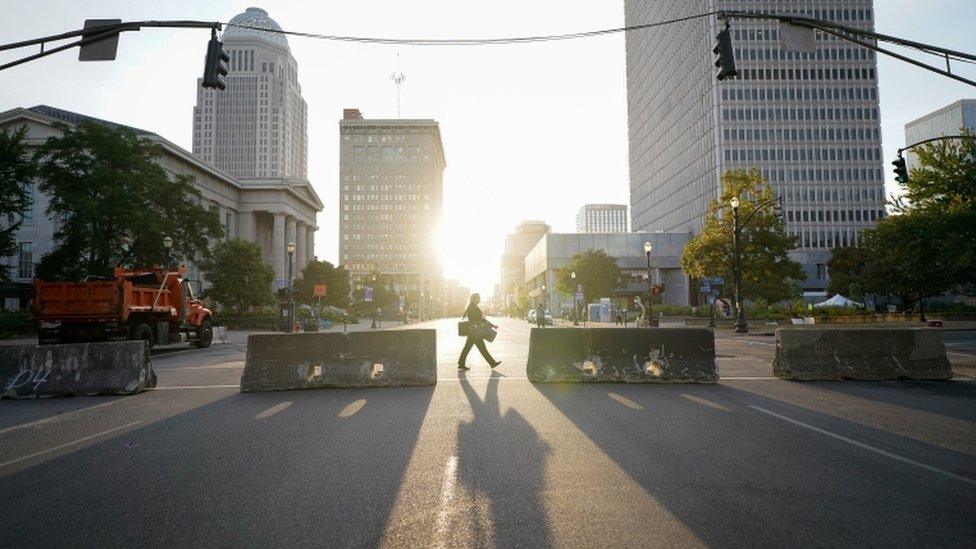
(391, 176)
(256, 128)
(808, 120)
(255, 131)
(602, 218)
(517, 245)
(948, 120)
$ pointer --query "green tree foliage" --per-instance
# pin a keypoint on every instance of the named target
(17, 169)
(595, 270)
(238, 275)
(114, 204)
(336, 280)
(846, 268)
(768, 273)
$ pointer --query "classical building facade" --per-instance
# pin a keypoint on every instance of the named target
(268, 214)
(602, 218)
(809, 121)
(517, 245)
(391, 176)
(948, 120)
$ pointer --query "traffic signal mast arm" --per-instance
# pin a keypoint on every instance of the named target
(94, 35)
(847, 33)
(901, 168)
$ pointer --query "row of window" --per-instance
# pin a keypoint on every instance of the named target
(830, 154)
(801, 134)
(799, 94)
(828, 216)
(780, 114)
(827, 54)
(806, 194)
(384, 207)
(826, 239)
(845, 175)
(807, 74)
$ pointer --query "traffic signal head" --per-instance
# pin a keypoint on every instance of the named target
(216, 66)
(901, 170)
(778, 207)
(726, 57)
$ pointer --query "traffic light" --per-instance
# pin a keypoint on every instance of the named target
(778, 207)
(726, 56)
(901, 170)
(215, 68)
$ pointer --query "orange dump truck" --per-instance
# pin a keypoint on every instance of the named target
(156, 305)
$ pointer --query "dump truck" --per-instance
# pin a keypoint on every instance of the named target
(155, 305)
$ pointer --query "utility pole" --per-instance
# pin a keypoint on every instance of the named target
(398, 78)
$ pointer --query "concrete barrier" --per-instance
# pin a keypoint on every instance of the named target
(395, 358)
(105, 368)
(630, 355)
(828, 354)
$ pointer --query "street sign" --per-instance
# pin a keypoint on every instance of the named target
(718, 281)
(319, 290)
(280, 283)
(368, 294)
(705, 289)
(579, 296)
(579, 288)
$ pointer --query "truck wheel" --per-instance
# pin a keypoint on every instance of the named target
(204, 335)
(143, 332)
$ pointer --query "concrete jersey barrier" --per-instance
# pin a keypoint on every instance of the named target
(630, 355)
(395, 358)
(828, 354)
(104, 368)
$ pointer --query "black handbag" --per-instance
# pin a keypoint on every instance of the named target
(464, 328)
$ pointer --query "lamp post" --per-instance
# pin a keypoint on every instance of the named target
(291, 294)
(575, 302)
(741, 327)
(648, 247)
(372, 324)
(540, 315)
(168, 245)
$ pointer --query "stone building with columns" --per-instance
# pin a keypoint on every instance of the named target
(269, 212)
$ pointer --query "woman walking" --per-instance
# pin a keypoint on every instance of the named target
(477, 319)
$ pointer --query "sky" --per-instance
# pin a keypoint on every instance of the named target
(530, 131)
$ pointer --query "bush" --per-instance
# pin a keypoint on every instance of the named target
(14, 324)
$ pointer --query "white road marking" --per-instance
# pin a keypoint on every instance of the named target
(178, 387)
(705, 402)
(747, 378)
(72, 443)
(352, 408)
(280, 407)
(625, 401)
(447, 501)
(764, 344)
(46, 420)
(870, 448)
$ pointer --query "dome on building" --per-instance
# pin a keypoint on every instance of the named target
(254, 17)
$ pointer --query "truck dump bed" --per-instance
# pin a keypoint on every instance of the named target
(98, 300)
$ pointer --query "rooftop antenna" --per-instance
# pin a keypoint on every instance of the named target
(398, 78)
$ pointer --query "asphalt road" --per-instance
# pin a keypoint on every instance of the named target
(488, 459)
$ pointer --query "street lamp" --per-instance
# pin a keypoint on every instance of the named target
(648, 247)
(372, 324)
(167, 245)
(540, 315)
(575, 302)
(741, 327)
(291, 294)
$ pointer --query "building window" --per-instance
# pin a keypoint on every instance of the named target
(25, 260)
(822, 271)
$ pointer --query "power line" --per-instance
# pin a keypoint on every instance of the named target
(473, 41)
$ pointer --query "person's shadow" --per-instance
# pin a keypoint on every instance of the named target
(502, 460)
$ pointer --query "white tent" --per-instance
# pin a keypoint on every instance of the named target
(838, 301)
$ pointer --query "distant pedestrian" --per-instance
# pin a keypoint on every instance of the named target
(478, 322)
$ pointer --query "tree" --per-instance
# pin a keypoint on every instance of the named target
(238, 275)
(336, 280)
(17, 169)
(384, 294)
(767, 271)
(596, 271)
(846, 268)
(943, 189)
(114, 204)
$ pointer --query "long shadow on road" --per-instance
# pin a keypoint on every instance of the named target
(294, 468)
(501, 459)
(738, 477)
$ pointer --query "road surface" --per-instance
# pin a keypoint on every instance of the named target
(486, 458)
